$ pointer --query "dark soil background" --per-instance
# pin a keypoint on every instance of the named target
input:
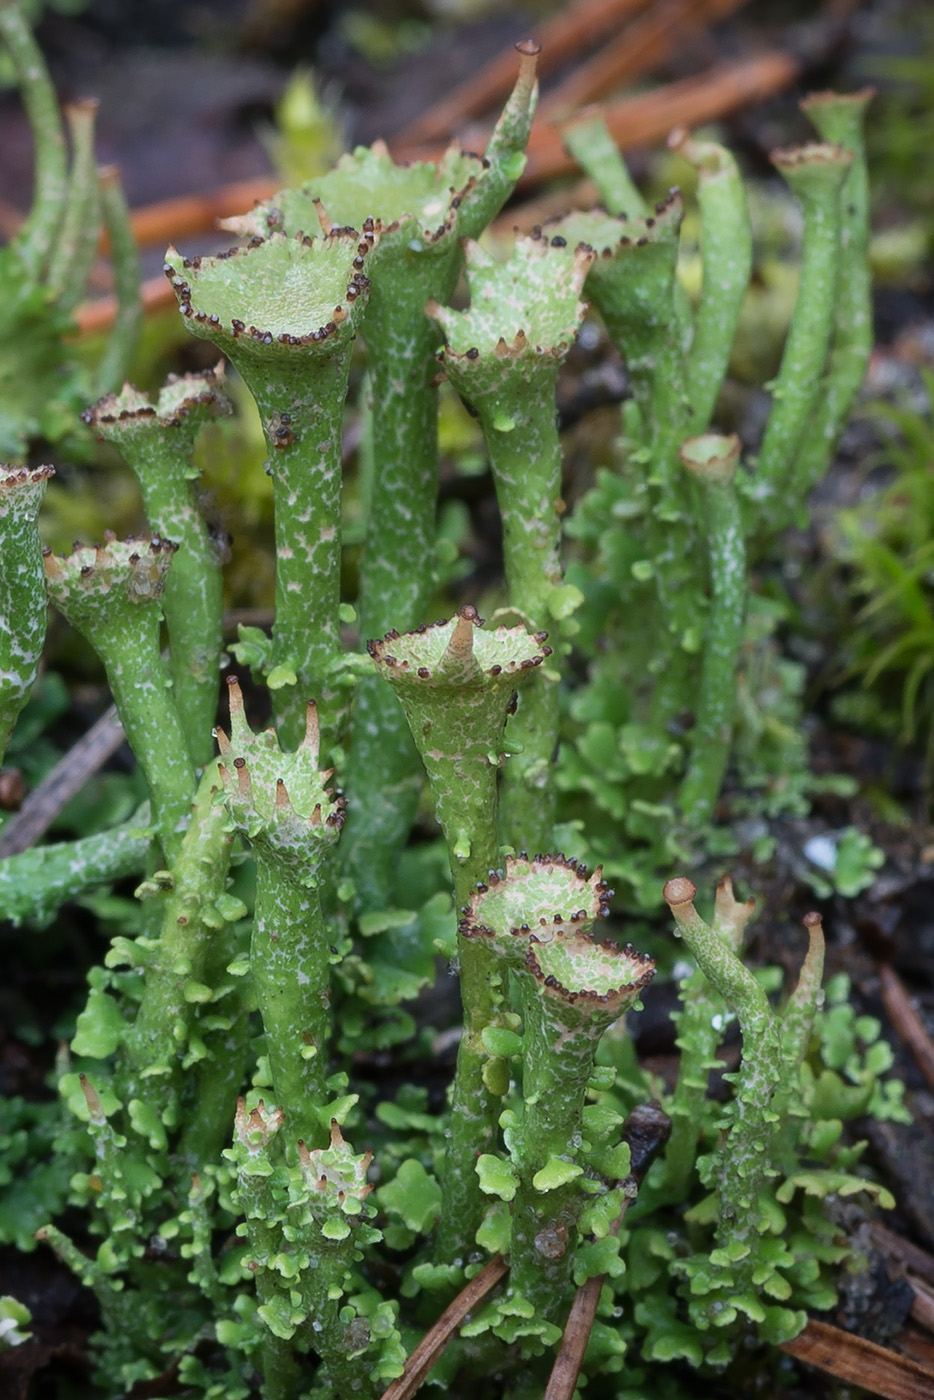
(186, 92)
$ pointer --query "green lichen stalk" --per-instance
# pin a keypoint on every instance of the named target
(816, 174)
(125, 260)
(286, 311)
(35, 239)
(726, 255)
(76, 242)
(22, 590)
(539, 919)
(112, 594)
(503, 356)
(840, 118)
(162, 1040)
(423, 209)
(280, 801)
(34, 883)
(711, 460)
(158, 440)
(456, 683)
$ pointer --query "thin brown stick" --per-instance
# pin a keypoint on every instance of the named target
(576, 27)
(922, 1309)
(436, 1339)
(97, 316)
(906, 1020)
(876, 1369)
(563, 1379)
(902, 1251)
(638, 121)
(67, 778)
(639, 48)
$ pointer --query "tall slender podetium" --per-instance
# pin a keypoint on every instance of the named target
(286, 311)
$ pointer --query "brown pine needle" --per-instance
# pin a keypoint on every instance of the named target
(850, 1358)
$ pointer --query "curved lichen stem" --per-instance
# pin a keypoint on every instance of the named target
(76, 242)
(726, 255)
(35, 239)
(34, 883)
(712, 461)
(125, 261)
(22, 590)
(589, 141)
(840, 118)
(816, 174)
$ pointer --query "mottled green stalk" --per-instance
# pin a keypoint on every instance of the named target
(423, 210)
(539, 919)
(503, 356)
(158, 1045)
(456, 684)
(76, 242)
(253, 1133)
(286, 311)
(840, 118)
(744, 1164)
(125, 262)
(712, 461)
(726, 255)
(797, 1024)
(632, 283)
(22, 590)
(111, 594)
(35, 239)
(590, 143)
(281, 802)
(816, 174)
(158, 441)
(36, 882)
(700, 1032)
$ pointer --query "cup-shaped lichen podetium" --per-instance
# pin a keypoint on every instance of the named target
(157, 440)
(539, 918)
(22, 590)
(457, 684)
(423, 209)
(281, 801)
(112, 594)
(286, 310)
(503, 356)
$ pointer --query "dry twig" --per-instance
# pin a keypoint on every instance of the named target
(850, 1358)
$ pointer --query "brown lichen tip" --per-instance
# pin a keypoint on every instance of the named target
(813, 155)
(22, 489)
(281, 795)
(816, 100)
(184, 399)
(459, 651)
(610, 234)
(335, 1173)
(679, 891)
(712, 457)
(598, 979)
(545, 895)
(134, 569)
(528, 308)
(255, 1129)
(297, 292)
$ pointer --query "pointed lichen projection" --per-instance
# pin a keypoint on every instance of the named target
(22, 590)
(726, 258)
(423, 210)
(157, 439)
(816, 174)
(539, 919)
(712, 460)
(164, 1039)
(112, 594)
(724, 1285)
(503, 357)
(292, 819)
(303, 1245)
(632, 283)
(457, 684)
(840, 118)
(286, 310)
(700, 1032)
